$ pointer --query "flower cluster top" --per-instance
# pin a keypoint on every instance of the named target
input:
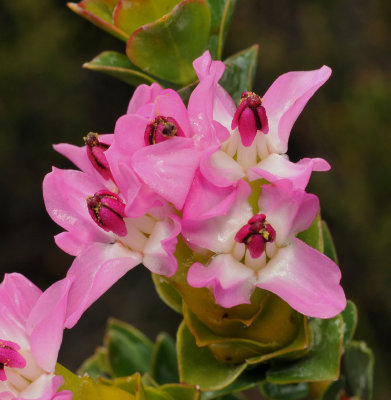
(216, 174)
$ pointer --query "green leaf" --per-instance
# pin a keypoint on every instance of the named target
(181, 392)
(313, 236)
(349, 316)
(164, 364)
(322, 361)
(131, 14)
(358, 367)
(167, 293)
(197, 366)
(329, 248)
(96, 365)
(129, 351)
(119, 66)
(84, 388)
(239, 72)
(221, 13)
(100, 13)
(248, 379)
(294, 391)
(166, 48)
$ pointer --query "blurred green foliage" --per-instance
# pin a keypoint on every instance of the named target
(45, 97)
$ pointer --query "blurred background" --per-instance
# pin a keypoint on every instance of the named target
(46, 98)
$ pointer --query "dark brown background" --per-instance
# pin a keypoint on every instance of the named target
(45, 98)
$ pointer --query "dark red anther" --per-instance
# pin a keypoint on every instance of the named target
(108, 211)
(255, 234)
(162, 129)
(250, 117)
(9, 357)
(96, 154)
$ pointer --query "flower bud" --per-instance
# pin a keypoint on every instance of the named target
(9, 357)
(95, 153)
(108, 211)
(255, 233)
(162, 129)
(250, 117)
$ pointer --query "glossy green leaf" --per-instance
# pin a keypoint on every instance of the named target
(197, 366)
(181, 392)
(246, 380)
(349, 316)
(167, 293)
(100, 13)
(131, 14)
(166, 48)
(119, 66)
(164, 364)
(329, 248)
(358, 368)
(95, 365)
(323, 359)
(239, 72)
(156, 394)
(295, 391)
(313, 236)
(221, 14)
(129, 351)
(85, 388)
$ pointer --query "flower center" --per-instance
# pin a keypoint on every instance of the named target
(255, 234)
(95, 153)
(108, 211)
(250, 117)
(9, 357)
(161, 129)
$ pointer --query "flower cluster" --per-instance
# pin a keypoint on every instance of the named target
(216, 174)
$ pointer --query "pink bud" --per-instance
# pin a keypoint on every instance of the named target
(9, 357)
(255, 234)
(108, 211)
(162, 129)
(250, 117)
(95, 153)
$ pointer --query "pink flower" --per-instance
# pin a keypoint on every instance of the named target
(257, 152)
(160, 142)
(258, 248)
(31, 328)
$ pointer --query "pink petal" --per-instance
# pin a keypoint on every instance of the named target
(206, 200)
(168, 168)
(217, 233)
(306, 279)
(287, 209)
(231, 281)
(46, 324)
(142, 95)
(19, 295)
(69, 243)
(170, 104)
(160, 247)
(65, 193)
(128, 137)
(201, 101)
(219, 168)
(276, 167)
(94, 271)
(286, 98)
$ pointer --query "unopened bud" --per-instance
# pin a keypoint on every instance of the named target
(108, 211)
(250, 117)
(162, 129)
(96, 154)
